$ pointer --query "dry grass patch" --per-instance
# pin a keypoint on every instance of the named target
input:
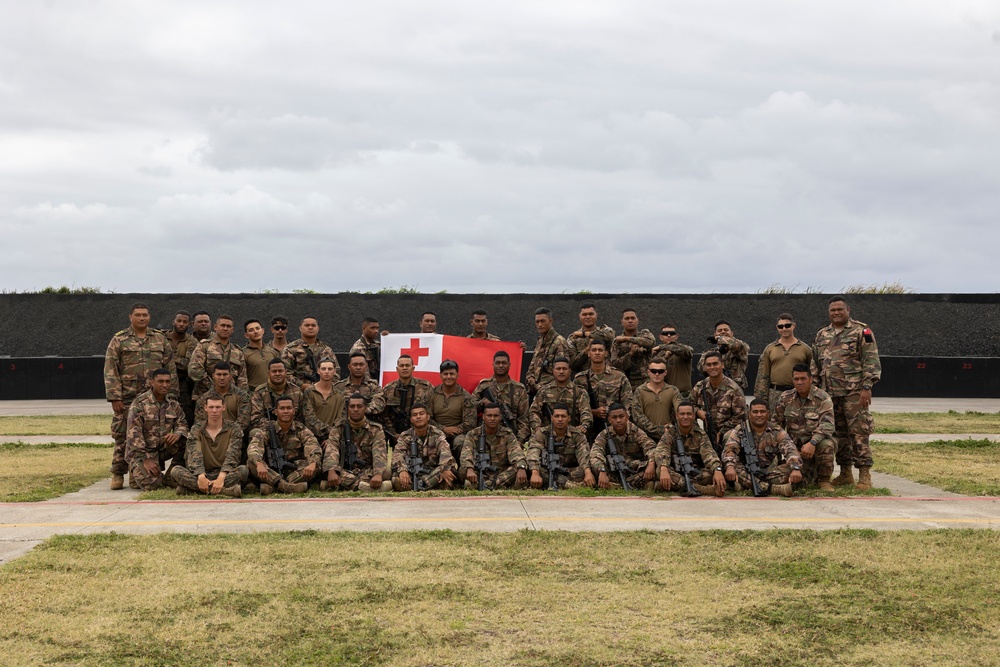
(969, 467)
(40, 472)
(56, 425)
(937, 422)
(527, 598)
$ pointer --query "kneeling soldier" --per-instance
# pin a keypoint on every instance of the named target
(294, 461)
(806, 412)
(570, 449)
(776, 454)
(707, 474)
(355, 457)
(631, 444)
(155, 434)
(504, 454)
(212, 459)
(430, 447)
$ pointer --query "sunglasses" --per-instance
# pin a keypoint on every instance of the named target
(657, 371)
(668, 333)
(785, 326)
(280, 327)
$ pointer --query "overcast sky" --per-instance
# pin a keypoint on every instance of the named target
(718, 146)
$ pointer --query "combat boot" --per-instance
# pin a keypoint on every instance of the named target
(232, 491)
(132, 484)
(117, 482)
(864, 479)
(709, 490)
(823, 484)
(386, 486)
(846, 477)
(324, 485)
(266, 489)
(288, 487)
(781, 490)
(183, 491)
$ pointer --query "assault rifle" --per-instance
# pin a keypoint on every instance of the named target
(554, 464)
(401, 414)
(616, 462)
(311, 360)
(349, 454)
(415, 464)
(506, 416)
(709, 422)
(599, 424)
(683, 463)
(483, 464)
(752, 461)
(274, 453)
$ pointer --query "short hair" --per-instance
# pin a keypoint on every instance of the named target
(585, 306)
(479, 311)
(276, 360)
(501, 353)
(712, 353)
(837, 298)
(309, 317)
(615, 406)
(419, 405)
(279, 319)
(800, 368)
(223, 366)
(356, 396)
(559, 360)
(630, 310)
(449, 364)
(369, 320)
(668, 325)
(223, 317)
(428, 312)
(560, 406)
(726, 322)
(543, 311)
(357, 353)
(404, 356)
(491, 406)
(137, 306)
(786, 316)
(158, 372)
(251, 321)
(759, 401)
(215, 398)
(686, 404)
(598, 341)
(202, 312)
(656, 360)
(327, 360)
(182, 312)
(283, 397)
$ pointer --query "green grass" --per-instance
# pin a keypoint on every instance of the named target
(969, 467)
(950, 422)
(30, 473)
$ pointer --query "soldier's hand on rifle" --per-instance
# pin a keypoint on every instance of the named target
(588, 478)
(309, 471)
(807, 451)
(522, 477)
(471, 476)
(795, 477)
(203, 483)
(118, 407)
(332, 478)
(404, 479)
(719, 480)
(603, 481)
(262, 471)
(601, 412)
(152, 467)
(731, 473)
(702, 416)
(448, 476)
(536, 479)
(650, 473)
(665, 483)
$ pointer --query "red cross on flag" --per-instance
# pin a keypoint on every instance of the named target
(474, 357)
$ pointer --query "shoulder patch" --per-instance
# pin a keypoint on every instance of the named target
(869, 336)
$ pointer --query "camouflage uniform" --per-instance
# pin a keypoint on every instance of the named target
(548, 347)
(303, 360)
(206, 355)
(571, 395)
(776, 454)
(257, 359)
(299, 444)
(505, 452)
(457, 410)
(809, 420)
(609, 387)
(678, 365)
(697, 446)
(326, 412)
(235, 403)
(434, 450)
(573, 452)
(727, 405)
(848, 363)
(579, 358)
(489, 336)
(652, 411)
(514, 395)
(634, 445)
(397, 414)
(127, 365)
(734, 359)
(209, 457)
(182, 352)
(369, 388)
(774, 374)
(149, 422)
(371, 455)
(632, 357)
(373, 354)
(262, 406)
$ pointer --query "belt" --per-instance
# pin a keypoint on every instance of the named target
(781, 387)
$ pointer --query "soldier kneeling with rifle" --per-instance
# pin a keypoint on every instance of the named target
(284, 455)
(685, 460)
(559, 457)
(422, 459)
(622, 455)
(771, 462)
(492, 458)
(355, 456)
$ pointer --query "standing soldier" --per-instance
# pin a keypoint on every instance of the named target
(635, 447)
(569, 446)
(302, 355)
(708, 479)
(370, 345)
(439, 465)
(654, 402)
(549, 346)
(212, 456)
(776, 454)
(297, 448)
(479, 324)
(451, 407)
(735, 353)
(359, 382)
(630, 352)
(401, 395)
(132, 354)
(183, 344)
(279, 333)
(361, 465)
(807, 414)
(718, 399)
(156, 433)
(678, 357)
(257, 353)
(235, 400)
(579, 341)
(209, 352)
(604, 385)
(511, 395)
(848, 367)
(774, 374)
(201, 327)
(500, 445)
(563, 390)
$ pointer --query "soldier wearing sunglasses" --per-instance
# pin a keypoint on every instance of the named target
(678, 357)
(774, 374)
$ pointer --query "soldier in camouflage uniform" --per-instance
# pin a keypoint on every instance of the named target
(257, 353)
(131, 355)
(302, 453)
(501, 446)
(264, 400)
(156, 433)
(654, 402)
(774, 372)
(279, 333)
(604, 385)
(709, 481)
(369, 470)
(632, 444)
(209, 352)
(726, 402)
(549, 346)
(678, 357)
(212, 456)
(302, 355)
(631, 352)
(201, 327)
(848, 367)
(735, 353)
(181, 342)
(451, 408)
(563, 390)
(370, 346)
(479, 324)
(400, 397)
(235, 400)
(359, 382)
(777, 456)
(511, 395)
(571, 448)
(579, 341)
(806, 412)
(438, 463)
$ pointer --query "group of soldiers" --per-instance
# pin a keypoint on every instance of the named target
(596, 409)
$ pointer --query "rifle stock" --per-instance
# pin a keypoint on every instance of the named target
(752, 461)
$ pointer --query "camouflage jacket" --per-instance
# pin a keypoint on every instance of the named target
(580, 346)
(298, 443)
(775, 366)
(678, 363)
(262, 407)
(129, 360)
(773, 447)
(727, 403)
(370, 389)
(548, 347)
(514, 395)
(696, 445)
(503, 448)
(635, 446)
(228, 446)
(373, 353)
(806, 420)
(206, 355)
(303, 360)
(632, 356)
(148, 423)
(181, 350)
(609, 387)
(257, 359)
(734, 359)
(575, 398)
(236, 402)
(432, 448)
(443, 410)
(489, 336)
(396, 416)
(846, 362)
(573, 450)
(370, 449)
(652, 411)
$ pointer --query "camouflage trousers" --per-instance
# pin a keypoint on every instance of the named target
(119, 424)
(187, 479)
(772, 398)
(575, 475)
(431, 480)
(502, 479)
(704, 478)
(821, 464)
(853, 426)
(146, 482)
(350, 479)
(292, 477)
(636, 480)
(774, 475)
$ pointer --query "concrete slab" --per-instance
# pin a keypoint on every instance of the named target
(55, 407)
(11, 549)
